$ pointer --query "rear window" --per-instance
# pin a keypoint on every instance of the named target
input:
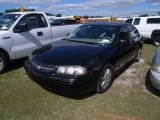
(153, 20)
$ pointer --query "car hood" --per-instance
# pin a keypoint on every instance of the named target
(156, 58)
(70, 53)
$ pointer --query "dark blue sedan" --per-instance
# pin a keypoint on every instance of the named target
(86, 59)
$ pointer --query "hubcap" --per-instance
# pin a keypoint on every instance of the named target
(106, 78)
(1, 64)
(156, 43)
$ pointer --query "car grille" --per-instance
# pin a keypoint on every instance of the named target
(43, 68)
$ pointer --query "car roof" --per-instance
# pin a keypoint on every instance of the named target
(107, 23)
(25, 12)
(145, 17)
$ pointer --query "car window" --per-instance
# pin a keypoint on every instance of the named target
(63, 22)
(124, 34)
(136, 21)
(129, 21)
(7, 20)
(103, 34)
(153, 20)
(133, 32)
(32, 22)
(57, 22)
(42, 21)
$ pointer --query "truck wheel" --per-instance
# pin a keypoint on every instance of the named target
(138, 56)
(155, 41)
(105, 79)
(3, 63)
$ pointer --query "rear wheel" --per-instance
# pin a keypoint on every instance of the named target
(138, 56)
(105, 79)
(3, 63)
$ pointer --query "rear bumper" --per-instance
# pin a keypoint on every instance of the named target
(64, 85)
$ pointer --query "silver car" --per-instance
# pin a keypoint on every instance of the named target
(155, 70)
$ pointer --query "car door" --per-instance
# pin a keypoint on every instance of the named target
(123, 48)
(36, 34)
(134, 39)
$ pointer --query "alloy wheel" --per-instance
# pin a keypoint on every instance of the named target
(106, 78)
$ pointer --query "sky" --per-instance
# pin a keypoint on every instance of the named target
(116, 8)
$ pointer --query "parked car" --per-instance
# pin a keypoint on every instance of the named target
(87, 59)
(155, 69)
(62, 22)
(23, 32)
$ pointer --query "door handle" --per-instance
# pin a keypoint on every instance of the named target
(40, 33)
(7, 37)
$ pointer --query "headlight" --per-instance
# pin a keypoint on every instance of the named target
(30, 57)
(71, 70)
(156, 68)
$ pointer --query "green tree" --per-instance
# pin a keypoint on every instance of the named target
(59, 15)
(17, 10)
(143, 15)
(1, 13)
(86, 16)
(29, 9)
(49, 14)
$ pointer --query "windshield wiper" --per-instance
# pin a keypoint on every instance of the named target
(64, 39)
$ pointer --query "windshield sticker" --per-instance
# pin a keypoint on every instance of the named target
(105, 40)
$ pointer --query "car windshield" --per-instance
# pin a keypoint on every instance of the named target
(102, 34)
(7, 20)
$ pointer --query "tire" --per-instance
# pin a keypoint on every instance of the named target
(138, 56)
(3, 63)
(105, 79)
(155, 42)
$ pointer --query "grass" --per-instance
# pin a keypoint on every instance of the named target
(131, 97)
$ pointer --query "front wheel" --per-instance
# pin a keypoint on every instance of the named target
(105, 79)
(138, 56)
(3, 63)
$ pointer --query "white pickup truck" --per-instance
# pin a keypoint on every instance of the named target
(22, 32)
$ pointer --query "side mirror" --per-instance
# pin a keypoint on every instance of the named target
(21, 27)
(157, 41)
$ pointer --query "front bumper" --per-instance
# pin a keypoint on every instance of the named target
(64, 85)
(155, 79)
